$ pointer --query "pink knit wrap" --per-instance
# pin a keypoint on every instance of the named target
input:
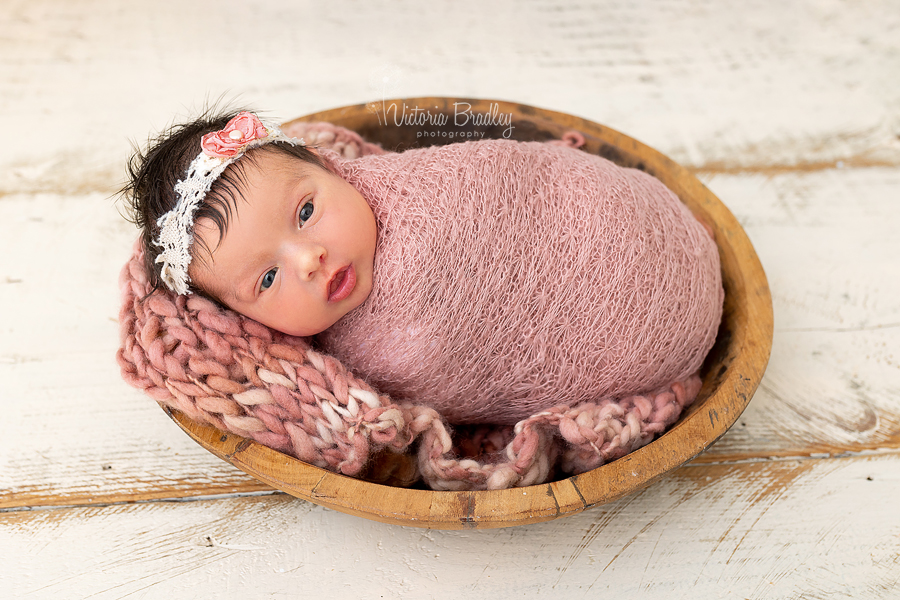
(511, 277)
(515, 283)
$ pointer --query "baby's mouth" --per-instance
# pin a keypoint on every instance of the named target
(341, 284)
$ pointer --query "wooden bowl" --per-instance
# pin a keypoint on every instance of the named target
(730, 374)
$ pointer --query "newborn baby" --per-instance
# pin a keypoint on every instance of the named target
(490, 280)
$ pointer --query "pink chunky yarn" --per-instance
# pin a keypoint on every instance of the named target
(221, 368)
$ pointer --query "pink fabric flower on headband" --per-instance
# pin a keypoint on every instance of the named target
(240, 131)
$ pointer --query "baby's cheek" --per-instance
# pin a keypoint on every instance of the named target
(364, 289)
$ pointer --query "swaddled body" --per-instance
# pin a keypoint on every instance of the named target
(512, 277)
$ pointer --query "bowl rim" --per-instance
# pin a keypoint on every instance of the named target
(727, 389)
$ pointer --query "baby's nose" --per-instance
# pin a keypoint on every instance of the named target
(310, 260)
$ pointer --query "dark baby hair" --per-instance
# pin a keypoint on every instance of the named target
(149, 192)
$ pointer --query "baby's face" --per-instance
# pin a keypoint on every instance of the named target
(298, 254)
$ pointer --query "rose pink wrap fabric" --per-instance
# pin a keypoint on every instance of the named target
(559, 303)
(514, 276)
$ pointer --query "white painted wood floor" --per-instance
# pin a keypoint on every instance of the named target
(788, 110)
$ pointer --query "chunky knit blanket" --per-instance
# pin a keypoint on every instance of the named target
(553, 307)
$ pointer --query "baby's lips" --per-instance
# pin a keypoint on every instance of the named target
(341, 284)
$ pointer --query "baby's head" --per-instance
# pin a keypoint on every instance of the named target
(232, 209)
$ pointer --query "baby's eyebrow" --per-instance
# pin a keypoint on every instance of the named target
(223, 295)
(242, 288)
(243, 280)
(231, 294)
(216, 293)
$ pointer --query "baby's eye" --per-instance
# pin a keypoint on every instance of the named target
(267, 280)
(306, 212)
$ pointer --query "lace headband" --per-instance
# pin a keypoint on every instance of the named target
(219, 149)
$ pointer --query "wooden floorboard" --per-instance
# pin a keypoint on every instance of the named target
(788, 111)
(775, 529)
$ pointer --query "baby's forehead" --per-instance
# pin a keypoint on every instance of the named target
(272, 157)
(235, 189)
